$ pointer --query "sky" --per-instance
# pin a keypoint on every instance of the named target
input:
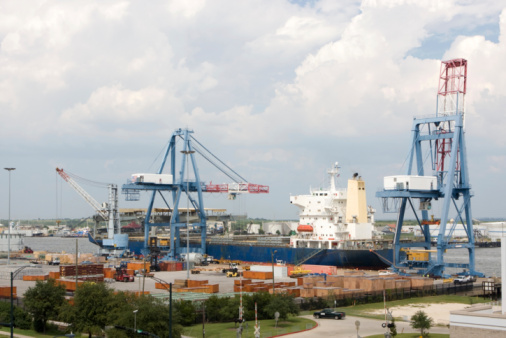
(278, 90)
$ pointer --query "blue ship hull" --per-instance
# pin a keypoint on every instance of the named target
(362, 259)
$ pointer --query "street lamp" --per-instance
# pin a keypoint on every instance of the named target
(9, 222)
(13, 274)
(273, 285)
(135, 320)
(187, 152)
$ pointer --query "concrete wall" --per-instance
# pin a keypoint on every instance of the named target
(477, 321)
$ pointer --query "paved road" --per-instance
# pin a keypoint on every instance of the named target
(346, 328)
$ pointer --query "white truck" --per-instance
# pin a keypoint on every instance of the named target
(54, 261)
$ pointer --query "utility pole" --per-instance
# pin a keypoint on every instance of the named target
(273, 284)
(9, 221)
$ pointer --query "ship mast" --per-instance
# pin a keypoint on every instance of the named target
(334, 172)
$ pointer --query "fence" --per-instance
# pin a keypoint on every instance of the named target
(361, 297)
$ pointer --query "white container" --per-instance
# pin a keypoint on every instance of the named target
(194, 257)
(279, 271)
(410, 182)
(152, 178)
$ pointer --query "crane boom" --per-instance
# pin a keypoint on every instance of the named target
(237, 188)
(108, 213)
(87, 197)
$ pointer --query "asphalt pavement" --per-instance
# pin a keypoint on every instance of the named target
(346, 328)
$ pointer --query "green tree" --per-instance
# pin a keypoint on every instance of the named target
(262, 299)
(152, 316)
(185, 310)
(393, 328)
(22, 319)
(283, 304)
(44, 301)
(91, 310)
(214, 307)
(421, 321)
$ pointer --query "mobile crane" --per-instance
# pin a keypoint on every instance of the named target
(116, 243)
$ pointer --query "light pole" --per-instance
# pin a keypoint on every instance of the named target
(187, 152)
(273, 285)
(9, 222)
(135, 320)
(13, 274)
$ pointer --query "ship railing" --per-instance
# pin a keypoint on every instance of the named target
(305, 259)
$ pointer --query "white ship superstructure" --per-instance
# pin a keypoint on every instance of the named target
(331, 218)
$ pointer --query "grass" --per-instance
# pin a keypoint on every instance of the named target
(364, 309)
(267, 328)
(32, 333)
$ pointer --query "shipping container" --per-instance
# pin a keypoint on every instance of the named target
(410, 182)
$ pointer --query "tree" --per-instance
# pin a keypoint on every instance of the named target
(421, 321)
(152, 316)
(283, 304)
(91, 310)
(22, 319)
(185, 310)
(44, 301)
(214, 306)
(393, 328)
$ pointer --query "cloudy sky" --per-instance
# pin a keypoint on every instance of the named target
(277, 89)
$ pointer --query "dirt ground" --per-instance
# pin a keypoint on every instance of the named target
(440, 313)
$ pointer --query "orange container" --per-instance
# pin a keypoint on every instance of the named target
(54, 274)
(212, 288)
(194, 283)
(257, 274)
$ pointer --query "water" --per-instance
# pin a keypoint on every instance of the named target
(487, 260)
(59, 244)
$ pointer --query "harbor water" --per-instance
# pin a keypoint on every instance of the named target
(487, 260)
(59, 244)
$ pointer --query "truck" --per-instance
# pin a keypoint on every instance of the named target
(121, 275)
(232, 271)
(464, 279)
(211, 260)
(54, 261)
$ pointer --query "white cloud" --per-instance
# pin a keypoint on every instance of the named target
(117, 105)
(282, 87)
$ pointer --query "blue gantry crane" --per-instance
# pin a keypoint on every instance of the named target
(443, 138)
(171, 186)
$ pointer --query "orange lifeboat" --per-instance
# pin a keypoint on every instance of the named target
(302, 228)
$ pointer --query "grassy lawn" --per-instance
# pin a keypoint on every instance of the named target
(267, 328)
(32, 333)
(362, 310)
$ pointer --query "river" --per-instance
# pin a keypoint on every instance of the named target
(487, 260)
(59, 244)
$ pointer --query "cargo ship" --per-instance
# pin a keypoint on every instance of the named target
(335, 228)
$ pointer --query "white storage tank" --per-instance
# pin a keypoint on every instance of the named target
(152, 178)
(410, 182)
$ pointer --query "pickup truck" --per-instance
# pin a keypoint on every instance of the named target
(464, 280)
(54, 261)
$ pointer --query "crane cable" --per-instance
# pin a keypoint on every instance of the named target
(220, 161)
(86, 181)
